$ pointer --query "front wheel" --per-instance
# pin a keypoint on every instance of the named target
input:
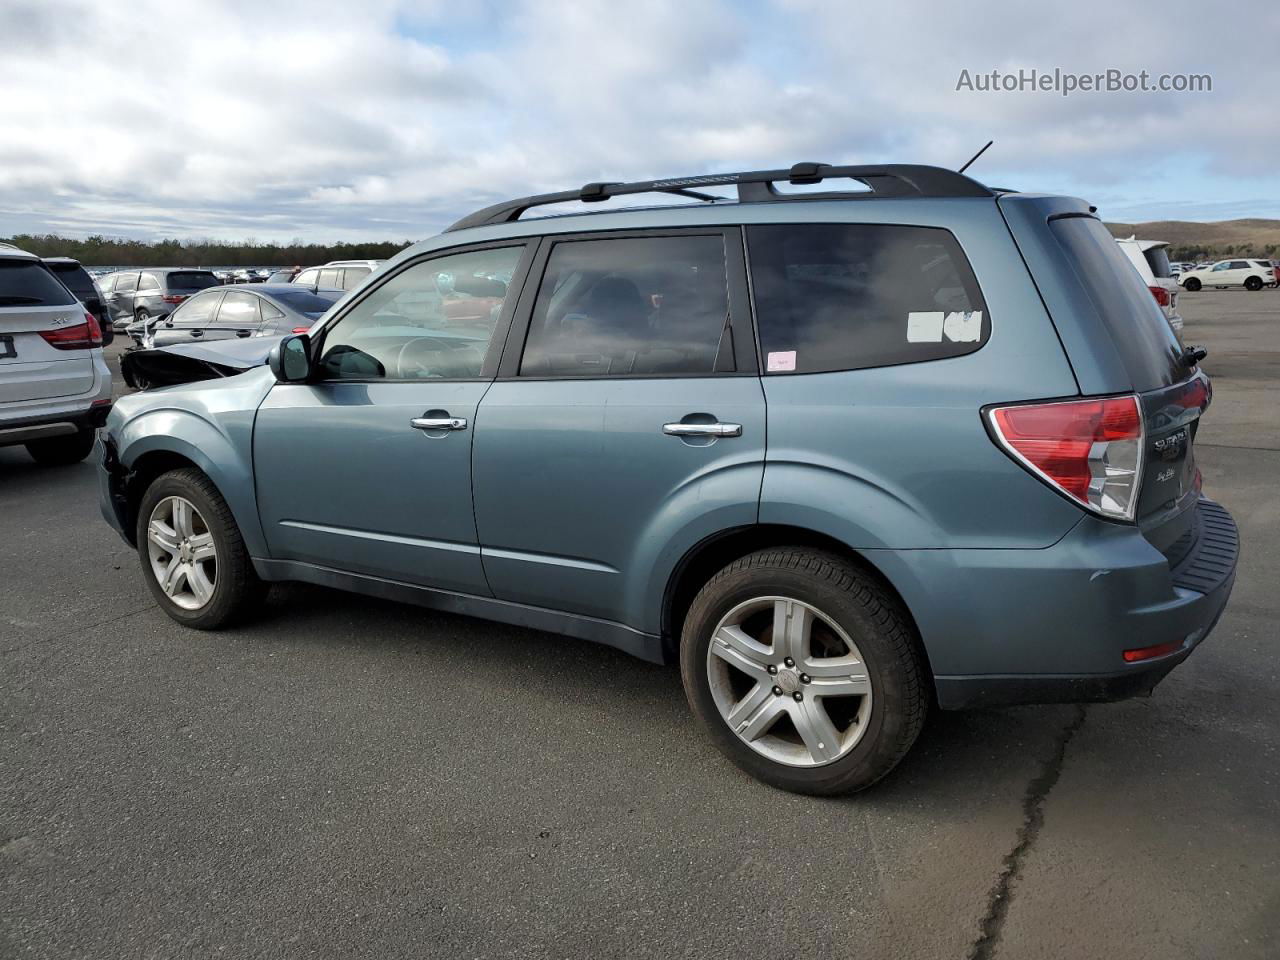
(804, 671)
(1253, 284)
(1192, 284)
(193, 557)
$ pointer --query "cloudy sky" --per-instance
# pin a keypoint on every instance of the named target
(386, 120)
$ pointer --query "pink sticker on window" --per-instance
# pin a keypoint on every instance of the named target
(780, 361)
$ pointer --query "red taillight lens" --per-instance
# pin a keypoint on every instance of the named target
(1161, 295)
(172, 298)
(79, 337)
(1091, 450)
(301, 329)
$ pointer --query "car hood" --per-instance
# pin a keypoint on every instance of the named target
(190, 362)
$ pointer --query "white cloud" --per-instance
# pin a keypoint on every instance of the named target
(324, 120)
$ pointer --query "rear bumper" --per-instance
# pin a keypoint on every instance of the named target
(1051, 626)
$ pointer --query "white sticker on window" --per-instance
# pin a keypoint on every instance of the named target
(924, 327)
(963, 327)
(781, 360)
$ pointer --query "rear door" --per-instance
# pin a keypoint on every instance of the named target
(34, 308)
(624, 427)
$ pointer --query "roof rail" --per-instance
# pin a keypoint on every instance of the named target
(888, 180)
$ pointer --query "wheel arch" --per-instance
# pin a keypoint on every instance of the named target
(713, 553)
(156, 443)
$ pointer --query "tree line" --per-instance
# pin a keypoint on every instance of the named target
(100, 251)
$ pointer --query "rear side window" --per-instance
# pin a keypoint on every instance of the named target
(127, 283)
(630, 307)
(1158, 261)
(1139, 330)
(77, 280)
(851, 296)
(191, 280)
(353, 275)
(25, 283)
(330, 279)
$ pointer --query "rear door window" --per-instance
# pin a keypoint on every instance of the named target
(331, 279)
(239, 311)
(1139, 330)
(148, 283)
(851, 296)
(307, 277)
(352, 276)
(631, 306)
(26, 283)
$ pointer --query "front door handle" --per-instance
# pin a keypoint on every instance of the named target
(438, 423)
(702, 429)
(195, 333)
(244, 333)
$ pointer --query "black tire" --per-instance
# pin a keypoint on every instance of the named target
(871, 617)
(1192, 284)
(142, 315)
(1253, 284)
(237, 591)
(61, 451)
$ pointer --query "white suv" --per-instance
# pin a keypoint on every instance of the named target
(55, 387)
(1250, 274)
(1151, 259)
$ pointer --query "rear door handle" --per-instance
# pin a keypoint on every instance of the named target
(438, 423)
(702, 429)
(244, 333)
(195, 333)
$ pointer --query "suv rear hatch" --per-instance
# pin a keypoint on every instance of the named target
(1119, 342)
(37, 312)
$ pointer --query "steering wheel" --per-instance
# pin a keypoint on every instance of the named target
(410, 366)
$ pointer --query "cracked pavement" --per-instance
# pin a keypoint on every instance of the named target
(349, 777)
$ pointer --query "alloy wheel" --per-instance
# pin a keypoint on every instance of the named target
(789, 682)
(183, 556)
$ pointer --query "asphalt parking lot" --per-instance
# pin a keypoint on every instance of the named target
(349, 777)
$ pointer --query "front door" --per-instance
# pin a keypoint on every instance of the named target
(367, 468)
(625, 428)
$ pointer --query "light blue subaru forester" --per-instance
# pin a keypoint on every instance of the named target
(842, 455)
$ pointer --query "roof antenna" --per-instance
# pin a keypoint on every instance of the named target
(975, 157)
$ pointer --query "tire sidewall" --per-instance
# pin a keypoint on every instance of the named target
(1193, 284)
(180, 485)
(862, 765)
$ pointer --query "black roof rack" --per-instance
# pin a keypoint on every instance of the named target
(889, 180)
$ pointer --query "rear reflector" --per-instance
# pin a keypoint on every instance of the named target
(1090, 450)
(79, 337)
(1150, 653)
(1161, 295)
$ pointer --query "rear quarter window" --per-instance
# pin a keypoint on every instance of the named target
(1158, 261)
(851, 296)
(25, 283)
(1146, 343)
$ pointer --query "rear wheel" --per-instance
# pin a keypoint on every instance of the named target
(142, 314)
(1192, 284)
(1253, 284)
(804, 671)
(193, 557)
(61, 451)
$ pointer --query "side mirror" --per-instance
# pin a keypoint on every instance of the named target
(290, 359)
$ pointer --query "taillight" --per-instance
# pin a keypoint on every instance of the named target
(172, 298)
(301, 329)
(1161, 295)
(1090, 450)
(79, 337)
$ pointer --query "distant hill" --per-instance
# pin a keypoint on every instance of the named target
(1208, 241)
